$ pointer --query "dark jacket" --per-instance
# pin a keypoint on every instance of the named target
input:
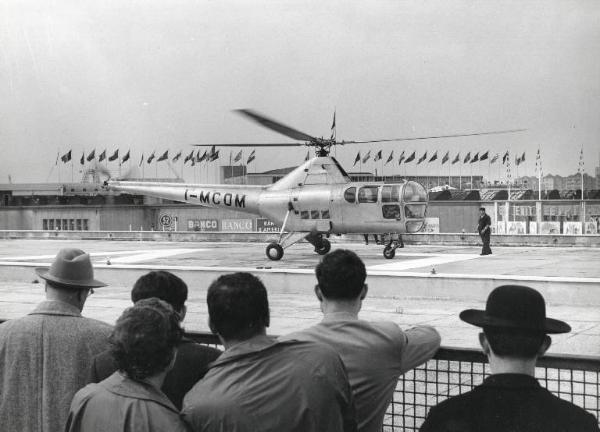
(509, 402)
(190, 365)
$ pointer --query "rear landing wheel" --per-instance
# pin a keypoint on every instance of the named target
(324, 247)
(389, 252)
(274, 251)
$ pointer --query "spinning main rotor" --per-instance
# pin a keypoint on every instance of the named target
(323, 145)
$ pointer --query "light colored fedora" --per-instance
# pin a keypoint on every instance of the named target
(71, 268)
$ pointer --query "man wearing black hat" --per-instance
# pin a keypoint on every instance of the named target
(44, 356)
(515, 334)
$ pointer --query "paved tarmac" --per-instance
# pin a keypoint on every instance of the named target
(296, 308)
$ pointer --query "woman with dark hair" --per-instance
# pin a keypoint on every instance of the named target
(143, 344)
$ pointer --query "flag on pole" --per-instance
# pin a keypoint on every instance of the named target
(307, 156)
(141, 160)
(163, 157)
(456, 159)
(251, 157)
(495, 158)
(505, 157)
(114, 156)
(523, 157)
(422, 158)
(205, 157)
(411, 157)
(151, 158)
(475, 158)
(446, 157)
(401, 158)
(484, 156)
(390, 158)
(189, 157)
(211, 154)
(377, 156)
(177, 156)
(357, 158)
(467, 157)
(66, 157)
(214, 156)
(82, 160)
(91, 156)
(581, 168)
(538, 163)
(366, 157)
(517, 160)
(102, 156)
(238, 157)
(434, 157)
(126, 157)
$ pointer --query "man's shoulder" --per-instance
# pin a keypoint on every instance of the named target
(193, 351)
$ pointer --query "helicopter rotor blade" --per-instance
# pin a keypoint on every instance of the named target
(297, 144)
(275, 125)
(434, 137)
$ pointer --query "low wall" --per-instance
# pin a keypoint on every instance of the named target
(456, 239)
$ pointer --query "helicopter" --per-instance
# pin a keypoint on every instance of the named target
(314, 201)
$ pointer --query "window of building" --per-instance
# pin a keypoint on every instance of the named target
(368, 194)
(71, 224)
(85, 224)
(65, 224)
(78, 225)
(45, 224)
(350, 194)
(50, 224)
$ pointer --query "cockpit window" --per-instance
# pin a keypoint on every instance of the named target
(414, 192)
(390, 193)
(368, 194)
(350, 194)
(415, 211)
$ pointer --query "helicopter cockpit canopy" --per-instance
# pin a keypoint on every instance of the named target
(415, 207)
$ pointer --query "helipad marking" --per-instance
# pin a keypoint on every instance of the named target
(141, 256)
(424, 262)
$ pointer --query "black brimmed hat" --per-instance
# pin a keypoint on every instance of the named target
(72, 268)
(517, 307)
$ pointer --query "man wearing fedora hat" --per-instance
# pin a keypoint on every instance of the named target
(44, 356)
(515, 334)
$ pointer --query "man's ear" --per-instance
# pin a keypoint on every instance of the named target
(318, 293)
(182, 312)
(364, 291)
(212, 327)
(545, 345)
(485, 345)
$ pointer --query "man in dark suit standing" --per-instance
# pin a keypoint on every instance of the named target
(484, 228)
(515, 334)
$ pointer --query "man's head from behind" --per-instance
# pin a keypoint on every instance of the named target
(514, 323)
(163, 285)
(341, 276)
(144, 339)
(238, 306)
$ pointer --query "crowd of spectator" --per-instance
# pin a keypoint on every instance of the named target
(60, 371)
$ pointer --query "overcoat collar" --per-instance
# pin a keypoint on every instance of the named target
(119, 384)
(56, 307)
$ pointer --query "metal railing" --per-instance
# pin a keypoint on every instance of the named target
(454, 371)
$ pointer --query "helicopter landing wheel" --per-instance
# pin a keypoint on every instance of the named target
(274, 251)
(324, 247)
(389, 252)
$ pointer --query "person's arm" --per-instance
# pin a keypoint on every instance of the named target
(421, 345)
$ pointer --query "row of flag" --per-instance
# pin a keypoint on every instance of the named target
(194, 157)
(467, 159)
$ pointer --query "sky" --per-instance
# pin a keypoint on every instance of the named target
(154, 75)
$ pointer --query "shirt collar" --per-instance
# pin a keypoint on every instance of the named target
(340, 316)
(120, 384)
(56, 307)
(250, 346)
(510, 380)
